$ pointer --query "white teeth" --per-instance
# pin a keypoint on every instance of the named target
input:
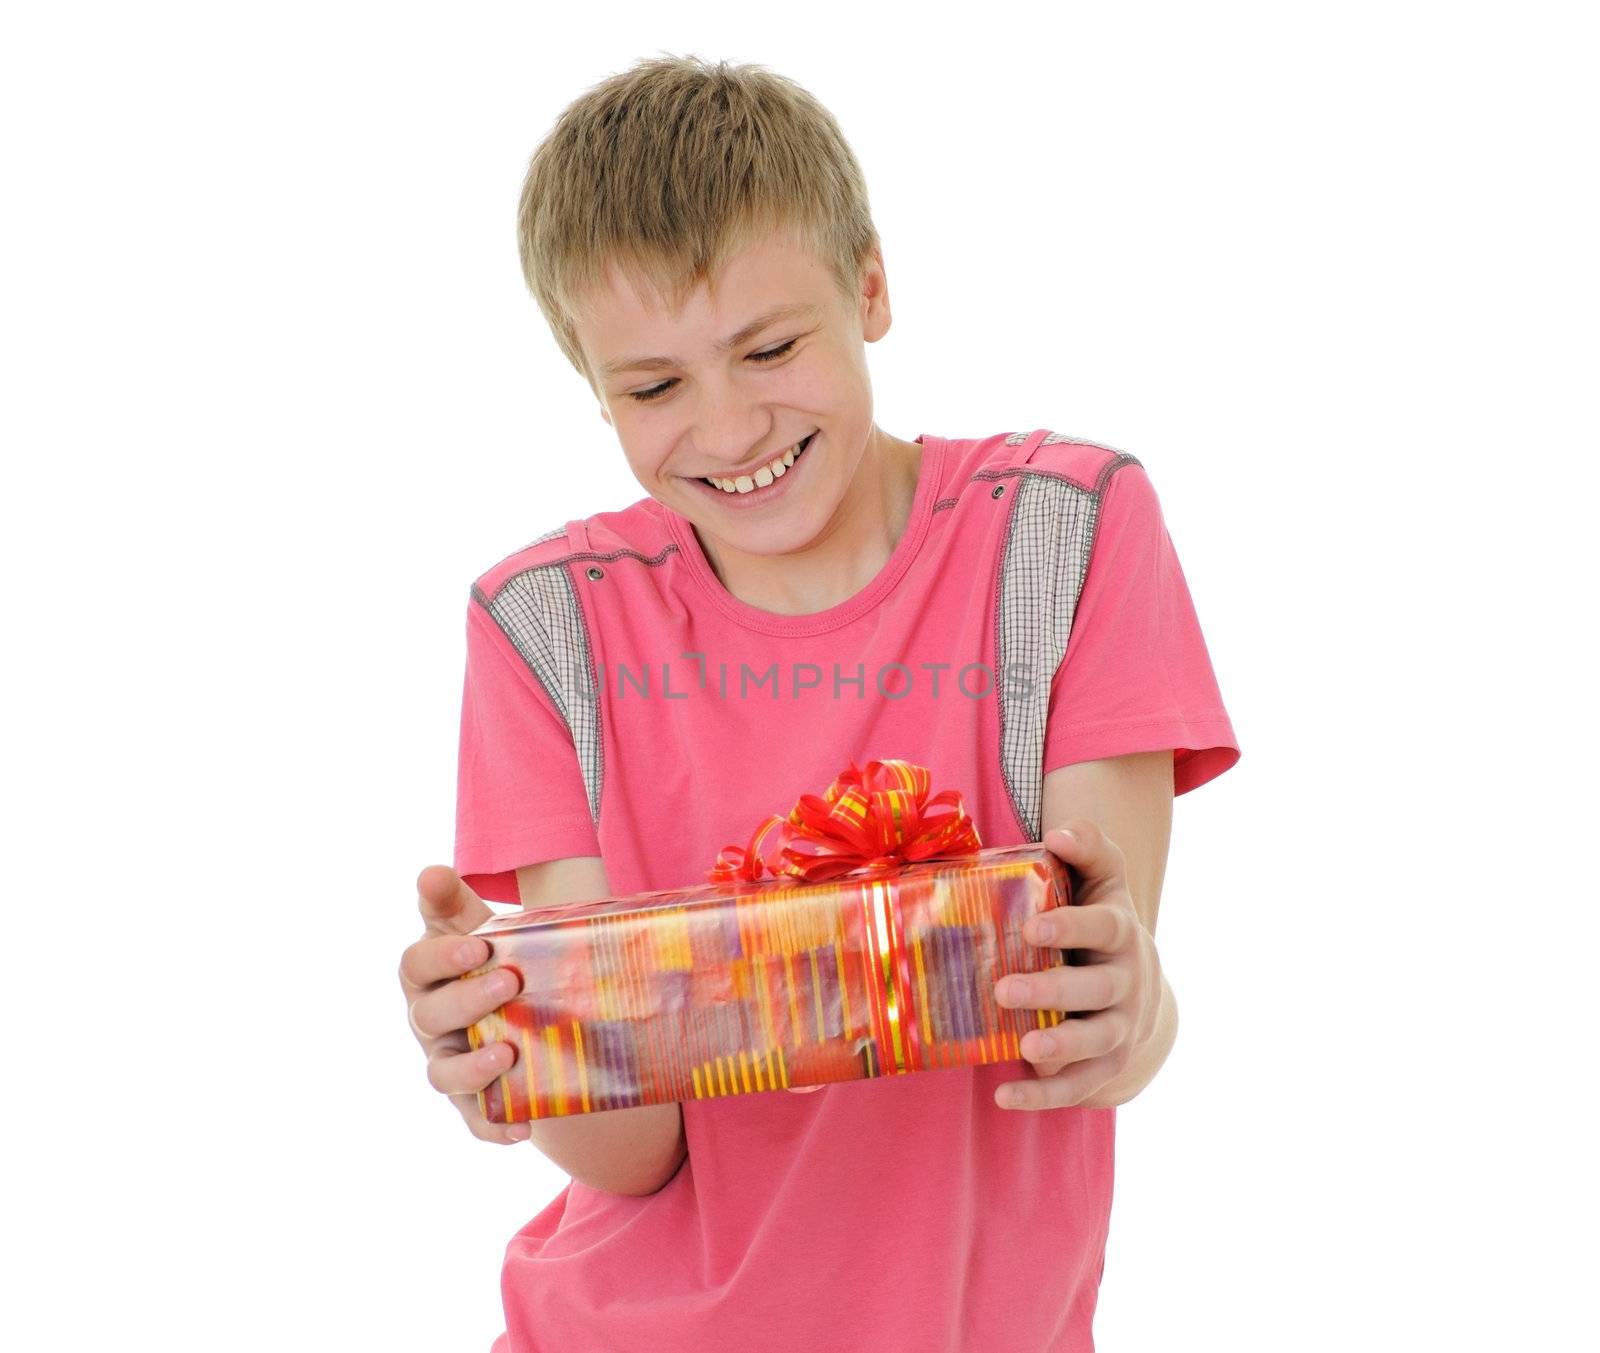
(762, 477)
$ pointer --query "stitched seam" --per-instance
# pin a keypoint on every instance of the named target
(1014, 470)
(1102, 482)
(557, 697)
(1000, 702)
(1092, 507)
(1142, 723)
(999, 636)
(594, 686)
(1110, 468)
(1011, 471)
(650, 561)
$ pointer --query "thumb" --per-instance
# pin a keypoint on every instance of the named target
(447, 905)
(1093, 856)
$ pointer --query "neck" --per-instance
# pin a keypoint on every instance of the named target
(852, 549)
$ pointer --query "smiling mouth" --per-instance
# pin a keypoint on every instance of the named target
(774, 470)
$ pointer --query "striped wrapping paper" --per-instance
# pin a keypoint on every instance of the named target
(742, 987)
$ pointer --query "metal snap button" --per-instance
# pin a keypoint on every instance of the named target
(596, 572)
(998, 490)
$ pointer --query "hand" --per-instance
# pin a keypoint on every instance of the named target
(441, 1008)
(1121, 983)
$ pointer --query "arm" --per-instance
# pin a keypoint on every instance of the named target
(630, 1151)
(1134, 717)
(1130, 797)
(521, 794)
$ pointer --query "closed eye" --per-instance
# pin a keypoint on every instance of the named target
(770, 353)
(656, 391)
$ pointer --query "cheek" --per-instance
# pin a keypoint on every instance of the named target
(833, 381)
(646, 463)
(817, 392)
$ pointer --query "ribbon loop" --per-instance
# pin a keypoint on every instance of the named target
(871, 819)
(746, 863)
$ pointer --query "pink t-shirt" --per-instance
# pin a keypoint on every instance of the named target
(620, 702)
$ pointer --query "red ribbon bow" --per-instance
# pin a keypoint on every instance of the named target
(876, 819)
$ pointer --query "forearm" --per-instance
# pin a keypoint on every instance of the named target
(1147, 1057)
(631, 1151)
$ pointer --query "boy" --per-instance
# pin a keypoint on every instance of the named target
(800, 589)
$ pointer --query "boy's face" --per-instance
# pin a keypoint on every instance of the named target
(704, 411)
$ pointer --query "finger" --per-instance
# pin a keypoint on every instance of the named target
(457, 1004)
(1094, 857)
(1094, 986)
(447, 905)
(1076, 1040)
(1107, 927)
(466, 1073)
(503, 1134)
(1072, 1085)
(435, 958)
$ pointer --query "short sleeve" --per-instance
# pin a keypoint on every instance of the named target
(1136, 676)
(520, 796)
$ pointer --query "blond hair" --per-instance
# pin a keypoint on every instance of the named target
(669, 168)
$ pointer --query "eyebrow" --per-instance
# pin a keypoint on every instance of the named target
(751, 329)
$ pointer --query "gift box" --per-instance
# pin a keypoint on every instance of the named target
(861, 935)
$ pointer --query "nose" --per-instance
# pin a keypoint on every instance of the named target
(729, 426)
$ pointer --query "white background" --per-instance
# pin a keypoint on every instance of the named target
(276, 394)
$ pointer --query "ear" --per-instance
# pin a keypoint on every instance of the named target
(875, 316)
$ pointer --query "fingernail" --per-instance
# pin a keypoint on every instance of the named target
(519, 1132)
(470, 954)
(1071, 836)
(502, 983)
(1043, 930)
